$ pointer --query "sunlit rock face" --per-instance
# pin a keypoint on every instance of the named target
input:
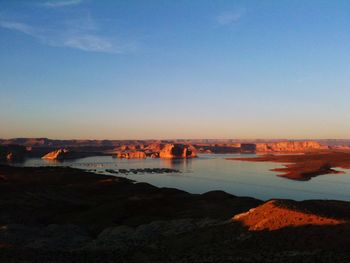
(12, 153)
(288, 146)
(156, 150)
(154, 147)
(177, 151)
(132, 155)
(278, 214)
(58, 155)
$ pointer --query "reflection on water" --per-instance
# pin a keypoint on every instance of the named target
(213, 172)
(179, 164)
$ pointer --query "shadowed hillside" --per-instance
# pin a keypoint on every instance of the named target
(67, 215)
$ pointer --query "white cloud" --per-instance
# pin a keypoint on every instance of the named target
(26, 29)
(91, 43)
(229, 18)
(77, 38)
(62, 3)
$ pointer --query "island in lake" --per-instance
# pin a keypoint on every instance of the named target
(305, 166)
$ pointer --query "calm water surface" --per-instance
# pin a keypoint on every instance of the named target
(213, 172)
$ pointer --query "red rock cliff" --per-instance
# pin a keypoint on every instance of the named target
(288, 146)
(132, 155)
(177, 151)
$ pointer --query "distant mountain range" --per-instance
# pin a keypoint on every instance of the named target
(45, 142)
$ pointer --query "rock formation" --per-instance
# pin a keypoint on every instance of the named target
(286, 146)
(132, 155)
(277, 214)
(156, 150)
(12, 153)
(177, 151)
(154, 147)
(58, 155)
(248, 147)
(219, 148)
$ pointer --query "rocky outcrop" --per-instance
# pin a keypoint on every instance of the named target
(154, 147)
(248, 147)
(12, 153)
(177, 151)
(288, 146)
(219, 148)
(156, 150)
(58, 155)
(132, 155)
(285, 146)
(277, 214)
(130, 147)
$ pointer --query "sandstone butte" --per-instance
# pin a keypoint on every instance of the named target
(156, 150)
(288, 146)
(59, 154)
(154, 147)
(177, 151)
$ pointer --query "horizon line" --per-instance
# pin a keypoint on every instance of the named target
(176, 139)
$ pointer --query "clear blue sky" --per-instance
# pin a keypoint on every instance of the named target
(174, 69)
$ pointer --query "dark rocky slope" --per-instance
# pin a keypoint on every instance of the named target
(67, 215)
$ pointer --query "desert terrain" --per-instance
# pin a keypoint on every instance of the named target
(67, 215)
(61, 214)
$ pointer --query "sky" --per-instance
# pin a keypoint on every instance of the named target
(88, 69)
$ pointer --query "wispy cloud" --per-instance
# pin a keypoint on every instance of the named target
(26, 29)
(70, 36)
(229, 18)
(74, 29)
(93, 43)
(62, 3)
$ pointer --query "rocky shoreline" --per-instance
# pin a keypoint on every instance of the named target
(56, 214)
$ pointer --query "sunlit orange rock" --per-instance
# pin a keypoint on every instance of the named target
(177, 151)
(288, 146)
(132, 147)
(154, 147)
(59, 154)
(123, 147)
(132, 155)
(277, 214)
(10, 156)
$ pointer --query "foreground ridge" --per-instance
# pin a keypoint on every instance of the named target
(57, 214)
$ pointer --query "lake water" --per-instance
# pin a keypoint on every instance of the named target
(213, 172)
